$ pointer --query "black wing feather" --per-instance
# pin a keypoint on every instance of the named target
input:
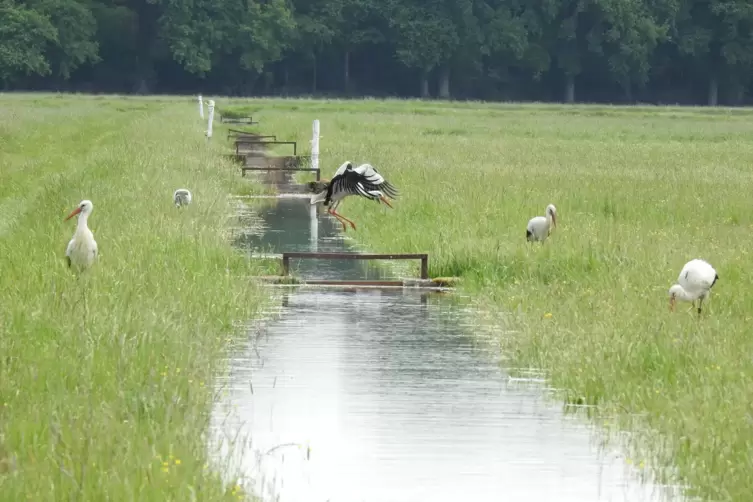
(354, 183)
(386, 187)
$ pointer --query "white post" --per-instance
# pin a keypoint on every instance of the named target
(315, 165)
(315, 145)
(201, 107)
(211, 118)
(314, 232)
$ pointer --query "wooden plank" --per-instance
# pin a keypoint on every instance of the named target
(239, 142)
(355, 256)
(424, 257)
(240, 131)
(290, 281)
(250, 136)
(278, 196)
(237, 120)
(335, 282)
(300, 169)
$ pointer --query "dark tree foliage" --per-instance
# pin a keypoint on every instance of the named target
(660, 51)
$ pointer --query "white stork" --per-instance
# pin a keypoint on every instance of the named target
(694, 283)
(363, 180)
(182, 197)
(82, 248)
(539, 227)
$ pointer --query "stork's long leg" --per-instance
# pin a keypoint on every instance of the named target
(337, 217)
(700, 301)
(345, 227)
(341, 218)
(331, 210)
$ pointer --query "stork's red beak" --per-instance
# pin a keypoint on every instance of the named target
(73, 213)
(671, 303)
(554, 220)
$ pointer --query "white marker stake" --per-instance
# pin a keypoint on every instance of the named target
(201, 107)
(314, 231)
(315, 146)
(211, 118)
(315, 165)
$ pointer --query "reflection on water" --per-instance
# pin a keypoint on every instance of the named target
(291, 225)
(376, 395)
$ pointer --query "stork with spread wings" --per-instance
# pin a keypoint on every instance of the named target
(363, 180)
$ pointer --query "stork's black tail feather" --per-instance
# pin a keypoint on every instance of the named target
(716, 277)
(529, 235)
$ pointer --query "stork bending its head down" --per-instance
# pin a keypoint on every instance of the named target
(82, 248)
(694, 283)
(363, 180)
(182, 197)
(539, 227)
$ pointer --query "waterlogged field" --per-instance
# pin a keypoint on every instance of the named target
(639, 192)
(105, 382)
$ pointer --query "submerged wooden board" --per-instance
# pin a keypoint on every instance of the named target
(424, 257)
(440, 283)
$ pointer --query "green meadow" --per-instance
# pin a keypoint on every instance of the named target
(639, 192)
(106, 380)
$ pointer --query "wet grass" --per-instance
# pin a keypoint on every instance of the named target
(639, 192)
(106, 381)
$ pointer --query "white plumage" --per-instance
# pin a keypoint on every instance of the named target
(539, 227)
(363, 180)
(694, 283)
(82, 248)
(182, 197)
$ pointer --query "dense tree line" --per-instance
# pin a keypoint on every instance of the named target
(684, 51)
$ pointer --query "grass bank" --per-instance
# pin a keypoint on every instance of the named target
(106, 382)
(639, 192)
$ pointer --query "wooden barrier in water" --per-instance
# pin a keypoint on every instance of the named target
(439, 283)
(250, 133)
(246, 135)
(356, 256)
(237, 120)
(240, 142)
(270, 168)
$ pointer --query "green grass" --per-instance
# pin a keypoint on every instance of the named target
(639, 192)
(106, 382)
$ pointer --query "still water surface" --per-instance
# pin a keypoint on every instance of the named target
(386, 395)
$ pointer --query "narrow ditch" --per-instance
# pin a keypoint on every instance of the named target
(391, 395)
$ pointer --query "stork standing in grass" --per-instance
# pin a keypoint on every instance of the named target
(82, 248)
(696, 279)
(182, 197)
(363, 180)
(539, 227)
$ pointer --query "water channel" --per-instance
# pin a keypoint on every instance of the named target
(349, 395)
